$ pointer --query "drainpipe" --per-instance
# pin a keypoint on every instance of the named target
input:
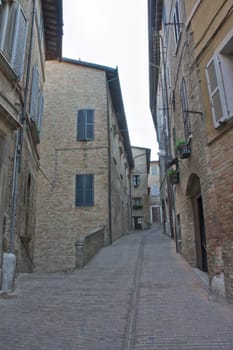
(19, 139)
(109, 165)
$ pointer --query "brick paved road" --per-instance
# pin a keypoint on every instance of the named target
(136, 294)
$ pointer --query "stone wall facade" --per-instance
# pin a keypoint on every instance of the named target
(219, 136)
(200, 35)
(72, 86)
(139, 185)
(154, 188)
(21, 97)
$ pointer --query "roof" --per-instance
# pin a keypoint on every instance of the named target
(117, 101)
(53, 23)
(155, 8)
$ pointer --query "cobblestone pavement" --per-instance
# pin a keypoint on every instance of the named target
(136, 294)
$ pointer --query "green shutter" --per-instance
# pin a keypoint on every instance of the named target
(84, 190)
(85, 125)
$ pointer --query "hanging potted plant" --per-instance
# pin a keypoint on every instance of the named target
(183, 149)
(173, 176)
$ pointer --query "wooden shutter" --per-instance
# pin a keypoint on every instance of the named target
(81, 125)
(89, 124)
(84, 190)
(184, 102)
(19, 43)
(8, 19)
(89, 198)
(215, 87)
(85, 125)
(40, 110)
(176, 20)
(34, 93)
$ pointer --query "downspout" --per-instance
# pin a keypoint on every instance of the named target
(109, 166)
(19, 140)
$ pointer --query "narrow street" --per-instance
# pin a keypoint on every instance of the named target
(136, 294)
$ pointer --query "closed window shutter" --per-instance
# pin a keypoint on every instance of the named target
(9, 16)
(184, 102)
(89, 190)
(84, 190)
(34, 93)
(40, 110)
(81, 125)
(79, 200)
(215, 87)
(176, 20)
(19, 44)
(85, 125)
(90, 124)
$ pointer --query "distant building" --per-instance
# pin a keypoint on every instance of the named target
(154, 191)
(139, 188)
(30, 33)
(86, 162)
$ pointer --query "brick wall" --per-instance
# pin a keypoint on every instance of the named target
(60, 223)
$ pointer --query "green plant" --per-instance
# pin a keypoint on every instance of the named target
(173, 176)
(171, 172)
(180, 142)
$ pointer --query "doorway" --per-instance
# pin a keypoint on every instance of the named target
(156, 215)
(194, 191)
(137, 222)
(200, 236)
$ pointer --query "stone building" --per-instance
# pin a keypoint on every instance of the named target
(191, 75)
(213, 54)
(30, 33)
(154, 187)
(86, 161)
(139, 188)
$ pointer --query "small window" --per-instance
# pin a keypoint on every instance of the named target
(184, 103)
(13, 36)
(84, 190)
(154, 170)
(137, 203)
(177, 24)
(219, 75)
(136, 180)
(155, 191)
(85, 125)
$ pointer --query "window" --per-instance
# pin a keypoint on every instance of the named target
(219, 75)
(154, 170)
(85, 125)
(177, 24)
(136, 180)
(13, 36)
(184, 103)
(137, 203)
(155, 190)
(84, 190)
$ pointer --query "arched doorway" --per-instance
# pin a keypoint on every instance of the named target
(194, 192)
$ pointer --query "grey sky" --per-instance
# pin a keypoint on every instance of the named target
(114, 33)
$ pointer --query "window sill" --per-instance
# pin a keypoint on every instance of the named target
(9, 118)
(222, 130)
(7, 69)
